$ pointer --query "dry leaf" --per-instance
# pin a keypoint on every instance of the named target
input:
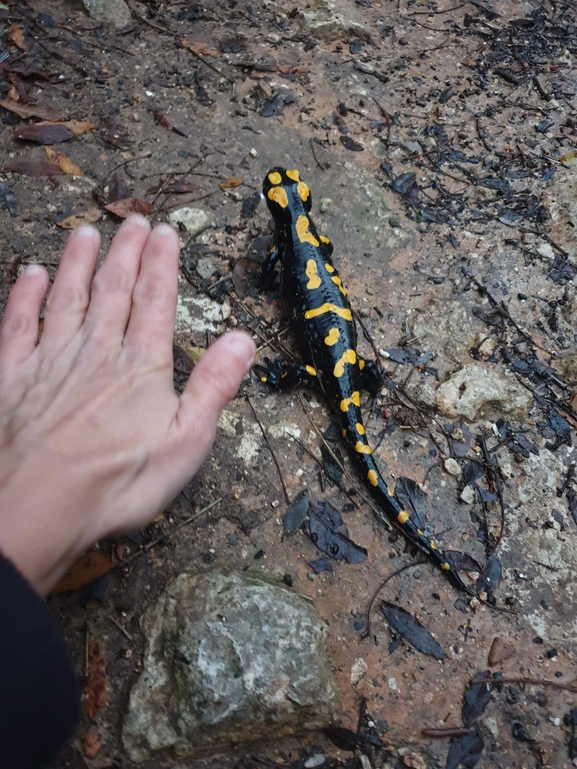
(28, 110)
(13, 93)
(15, 35)
(126, 206)
(232, 181)
(91, 743)
(85, 569)
(79, 127)
(63, 161)
(85, 217)
(195, 353)
(43, 133)
(33, 168)
(95, 689)
(202, 49)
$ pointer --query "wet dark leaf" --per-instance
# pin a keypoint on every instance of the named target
(409, 495)
(33, 168)
(350, 144)
(44, 133)
(476, 697)
(343, 739)
(488, 497)
(249, 205)
(571, 721)
(332, 464)
(490, 577)
(330, 534)
(465, 751)
(462, 561)
(404, 354)
(406, 186)
(415, 634)
(232, 44)
(321, 564)
(275, 106)
(245, 276)
(333, 433)
(296, 512)
(472, 472)
(572, 502)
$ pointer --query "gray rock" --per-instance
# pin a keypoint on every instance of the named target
(562, 198)
(230, 659)
(190, 219)
(114, 12)
(322, 19)
(446, 328)
(205, 268)
(480, 390)
(569, 366)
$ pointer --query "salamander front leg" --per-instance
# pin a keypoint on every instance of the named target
(267, 276)
(284, 376)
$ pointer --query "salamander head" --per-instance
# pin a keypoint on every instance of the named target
(281, 189)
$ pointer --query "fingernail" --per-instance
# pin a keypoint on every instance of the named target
(242, 347)
(138, 219)
(84, 231)
(33, 269)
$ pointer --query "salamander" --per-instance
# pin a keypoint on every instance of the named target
(322, 320)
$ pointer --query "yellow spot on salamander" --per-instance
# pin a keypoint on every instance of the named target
(355, 399)
(361, 364)
(360, 429)
(274, 177)
(312, 274)
(446, 566)
(403, 516)
(337, 280)
(349, 356)
(263, 379)
(433, 546)
(390, 491)
(343, 312)
(362, 448)
(311, 370)
(326, 241)
(302, 228)
(329, 266)
(332, 337)
(278, 195)
(293, 174)
(373, 478)
(303, 191)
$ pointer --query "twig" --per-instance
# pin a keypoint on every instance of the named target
(317, 161)
(527, 681)
(273, 455)
(123, 630)
(418, 562)
(450, 731)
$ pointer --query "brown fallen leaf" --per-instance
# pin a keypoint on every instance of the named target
(16, 36)
(126, 206)
(69, 168)
(232, 181)
(85, 569)
(167, 122)
(84, 217)
(28, 110)
(202, 49)
(43, 133)
(79, 127)
(95, 689)
(91, 742)
(33, 168)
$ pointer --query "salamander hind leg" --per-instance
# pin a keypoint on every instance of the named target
(371, 377)
(284, 376)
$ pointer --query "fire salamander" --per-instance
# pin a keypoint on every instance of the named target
(322, 320)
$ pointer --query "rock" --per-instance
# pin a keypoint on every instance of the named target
(321, 19)
(230, 659)
(569, 366)
(468, 495)
(491, 726)
(411, 758)
(479, 390)
(452, 467)
(199, 313)
(114, 12)
(446, 328)
(421, 393)
(190, 219)
(500, 651)
(205, 268)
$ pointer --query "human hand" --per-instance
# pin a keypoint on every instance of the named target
(93, 438)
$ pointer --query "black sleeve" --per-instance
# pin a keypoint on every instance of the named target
(39, 694)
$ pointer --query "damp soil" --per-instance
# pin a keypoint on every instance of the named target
(437, 140)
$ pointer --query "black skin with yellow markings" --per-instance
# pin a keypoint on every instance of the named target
(321, 317)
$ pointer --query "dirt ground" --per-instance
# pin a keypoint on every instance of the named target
(436, 139)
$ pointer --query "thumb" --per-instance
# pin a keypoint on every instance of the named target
(215, 380)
